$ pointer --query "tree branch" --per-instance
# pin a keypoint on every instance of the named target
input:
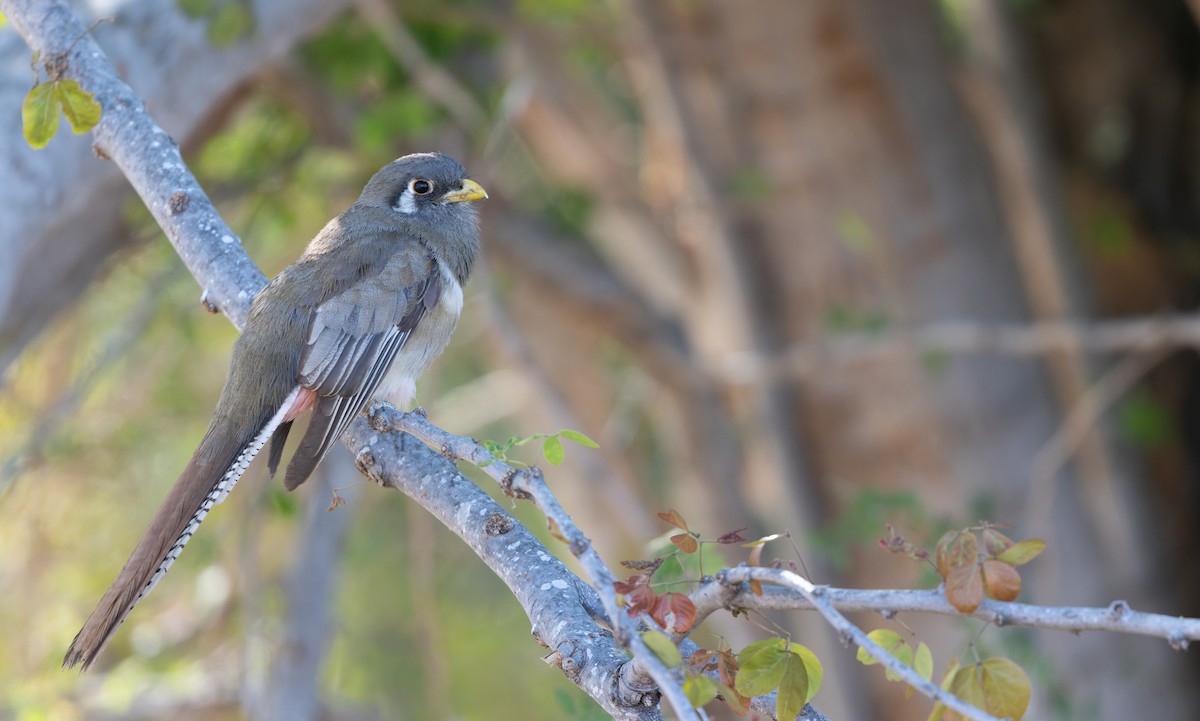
(530, 485)
(966, 338)
(727, 592)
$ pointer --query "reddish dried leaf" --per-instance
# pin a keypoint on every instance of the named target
(727, 667)
(684, 610)
(675, 612)
(736, 702)
(1001, 580)
(672, 517)
(732, 537)
(686, 542)
(633, 583)
(701, 658)
(641, 600)
(964, 588)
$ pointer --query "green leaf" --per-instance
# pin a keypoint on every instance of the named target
(699, 689)
(1023, 552)
(662, 647)
(39, 114)
(578, 437)
(553, 449)
(793, 688)
(78, 105)
(812, 666)
(761, 667)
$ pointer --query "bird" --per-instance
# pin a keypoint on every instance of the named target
(359, 316)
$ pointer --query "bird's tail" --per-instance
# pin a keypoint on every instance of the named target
(214, 469)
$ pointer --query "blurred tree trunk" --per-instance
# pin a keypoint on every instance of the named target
(822, 165)
(63, 209)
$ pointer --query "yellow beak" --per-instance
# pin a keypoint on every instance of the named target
(470, 191)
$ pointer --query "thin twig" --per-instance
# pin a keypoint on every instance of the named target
(816, 596)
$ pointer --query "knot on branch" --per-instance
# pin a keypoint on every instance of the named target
(208, 303)
(632, 687)
(179, 202)
(379, 416)
(1117, 609)
(571, 660)
(367, 465)
(497, 524)
(1178, 641)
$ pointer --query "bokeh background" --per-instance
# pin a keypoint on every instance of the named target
(783, 259)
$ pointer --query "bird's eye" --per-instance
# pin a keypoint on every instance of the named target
(420, 186)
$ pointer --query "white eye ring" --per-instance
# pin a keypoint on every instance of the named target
(421, 186)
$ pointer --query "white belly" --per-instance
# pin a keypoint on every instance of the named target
(426, 343)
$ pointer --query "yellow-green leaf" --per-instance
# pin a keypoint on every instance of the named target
(39, 114)
(885, 637)
(1023, 552)
(699, 689)
(812, 666)
(1006, 688)
(578, 437)
(793, 688)
(553, 449)
(761, 666)
(923, 661)
(968, 686)
(78, 105)
(662, 647)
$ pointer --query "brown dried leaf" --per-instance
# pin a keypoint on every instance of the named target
(1001, 580)
(964, 588)
(672, 517)
(685, 542)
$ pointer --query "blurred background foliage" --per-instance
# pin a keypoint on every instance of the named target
(102, 410)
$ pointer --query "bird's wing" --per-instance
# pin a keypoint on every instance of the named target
(353, 337)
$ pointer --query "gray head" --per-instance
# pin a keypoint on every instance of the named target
(422, 185)
(431, 193)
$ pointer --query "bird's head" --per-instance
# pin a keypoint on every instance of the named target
(424, 186)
